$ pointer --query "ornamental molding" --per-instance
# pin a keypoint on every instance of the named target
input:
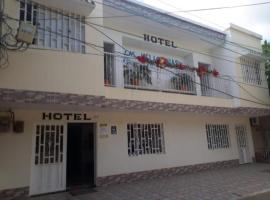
(11, 97)
(163, 18)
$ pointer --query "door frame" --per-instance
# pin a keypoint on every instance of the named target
(95, 146)
(65, 124)
(32, 162)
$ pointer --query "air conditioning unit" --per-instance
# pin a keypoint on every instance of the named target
(254, 121)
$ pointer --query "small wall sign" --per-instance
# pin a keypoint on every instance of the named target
(158, 40)
(103, 130)
(113, 130)
(65, 116)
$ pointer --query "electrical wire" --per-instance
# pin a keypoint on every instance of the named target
(218, 57)
(161, 23)
(181, 28)
(93, 46)
(205, 85)
(222, 92)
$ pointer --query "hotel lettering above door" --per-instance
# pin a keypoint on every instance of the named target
(65, 116)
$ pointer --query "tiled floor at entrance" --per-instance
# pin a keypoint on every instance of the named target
(224, 184)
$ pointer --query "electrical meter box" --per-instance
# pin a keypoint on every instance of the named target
(26, 32)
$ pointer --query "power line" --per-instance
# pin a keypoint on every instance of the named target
(229, 42)
(173, 6)
(223, 7)
(205, 85)
(201, 9)
(188, 30)
(180, 48)
(93, 45)
(163, 24)
(232, 96)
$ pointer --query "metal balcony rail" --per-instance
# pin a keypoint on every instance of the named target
(135, 75)
(149, 77)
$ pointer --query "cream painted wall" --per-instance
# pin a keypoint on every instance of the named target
(58, 71)
(185, 144)
(55, 70)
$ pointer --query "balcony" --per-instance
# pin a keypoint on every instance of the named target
(131, 74)
(82, 7)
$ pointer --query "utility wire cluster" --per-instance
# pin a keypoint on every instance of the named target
(17, 46)
(8, 40)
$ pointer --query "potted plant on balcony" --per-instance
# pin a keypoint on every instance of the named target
(137, 74)
(183, 82)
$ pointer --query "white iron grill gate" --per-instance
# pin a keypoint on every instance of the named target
(49, 144)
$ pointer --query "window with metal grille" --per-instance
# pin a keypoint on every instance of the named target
(145, 139)
(217, 136)
(49, 144)
(56, 29)
(251, 70)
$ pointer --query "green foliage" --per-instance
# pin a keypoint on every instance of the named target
(137, 72)
(266, 52)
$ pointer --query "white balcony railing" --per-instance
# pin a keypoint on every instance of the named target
(134, 75)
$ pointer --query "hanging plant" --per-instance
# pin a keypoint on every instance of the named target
(161, 62)
(215, 73)
(143, 59)
(201, 70)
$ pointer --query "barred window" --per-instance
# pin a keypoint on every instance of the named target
(55, 29)
(145, 139)
(251, 70)
(217, 136)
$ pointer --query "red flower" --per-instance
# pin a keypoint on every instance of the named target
(161, 62)
(181, 66)
(201, 70)
(215, 73)
(143, 59)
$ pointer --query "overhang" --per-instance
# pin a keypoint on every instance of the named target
(10, 98)
(147, 12)
(82, 7)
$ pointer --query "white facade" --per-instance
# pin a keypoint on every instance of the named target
(197, 122)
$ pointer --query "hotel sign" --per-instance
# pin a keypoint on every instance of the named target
(159, 40)
(65, 116)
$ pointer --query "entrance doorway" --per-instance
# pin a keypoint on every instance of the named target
(80, 155)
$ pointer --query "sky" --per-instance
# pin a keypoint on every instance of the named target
(254, 18)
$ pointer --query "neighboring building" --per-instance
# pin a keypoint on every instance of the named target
(152, 106)
(261, 138)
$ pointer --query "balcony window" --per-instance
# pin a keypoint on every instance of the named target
(55, 29)
(109, 64)
(149, 77)
(251, 71)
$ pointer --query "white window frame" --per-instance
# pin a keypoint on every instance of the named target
(145, 139)
(52, 31)
(218, 136)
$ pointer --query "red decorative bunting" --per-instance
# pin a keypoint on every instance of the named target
(162, 62)
(143, 59)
